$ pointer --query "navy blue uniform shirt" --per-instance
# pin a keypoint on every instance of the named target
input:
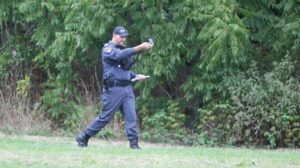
(117, 53)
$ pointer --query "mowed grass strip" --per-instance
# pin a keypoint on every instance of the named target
(37, 152)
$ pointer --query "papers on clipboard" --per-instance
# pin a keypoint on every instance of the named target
(137, 78)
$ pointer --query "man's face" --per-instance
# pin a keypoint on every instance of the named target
(120, 40)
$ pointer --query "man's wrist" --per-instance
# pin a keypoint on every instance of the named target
(138, 48)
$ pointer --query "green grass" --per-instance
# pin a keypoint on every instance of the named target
(52, 152)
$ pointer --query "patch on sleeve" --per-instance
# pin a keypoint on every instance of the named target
(107, 49)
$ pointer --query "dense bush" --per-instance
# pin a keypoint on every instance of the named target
(260, 109)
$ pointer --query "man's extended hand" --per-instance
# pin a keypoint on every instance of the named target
(143, 46)
(147, 45)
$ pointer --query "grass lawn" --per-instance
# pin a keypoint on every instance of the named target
(61, 152)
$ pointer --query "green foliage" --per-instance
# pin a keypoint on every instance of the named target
(273, 26)
(261, 109)
(23, 86)
(224, 37)
(61, 108)
(166, 116)
(5, 63)
(201, 50)
(271, 108)
(215, 123)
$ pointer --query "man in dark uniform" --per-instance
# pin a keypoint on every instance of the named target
(117, 89)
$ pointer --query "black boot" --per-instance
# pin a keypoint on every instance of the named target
(82, 139)
(134, 144)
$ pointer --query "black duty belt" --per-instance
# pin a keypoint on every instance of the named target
(114, 82)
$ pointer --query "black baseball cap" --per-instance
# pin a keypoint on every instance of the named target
(120, 30)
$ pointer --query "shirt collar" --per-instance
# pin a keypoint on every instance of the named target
(115, 45)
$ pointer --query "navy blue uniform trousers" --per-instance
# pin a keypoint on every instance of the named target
(116, 98)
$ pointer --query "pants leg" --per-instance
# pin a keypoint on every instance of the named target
(128, 108)
(111, 102)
